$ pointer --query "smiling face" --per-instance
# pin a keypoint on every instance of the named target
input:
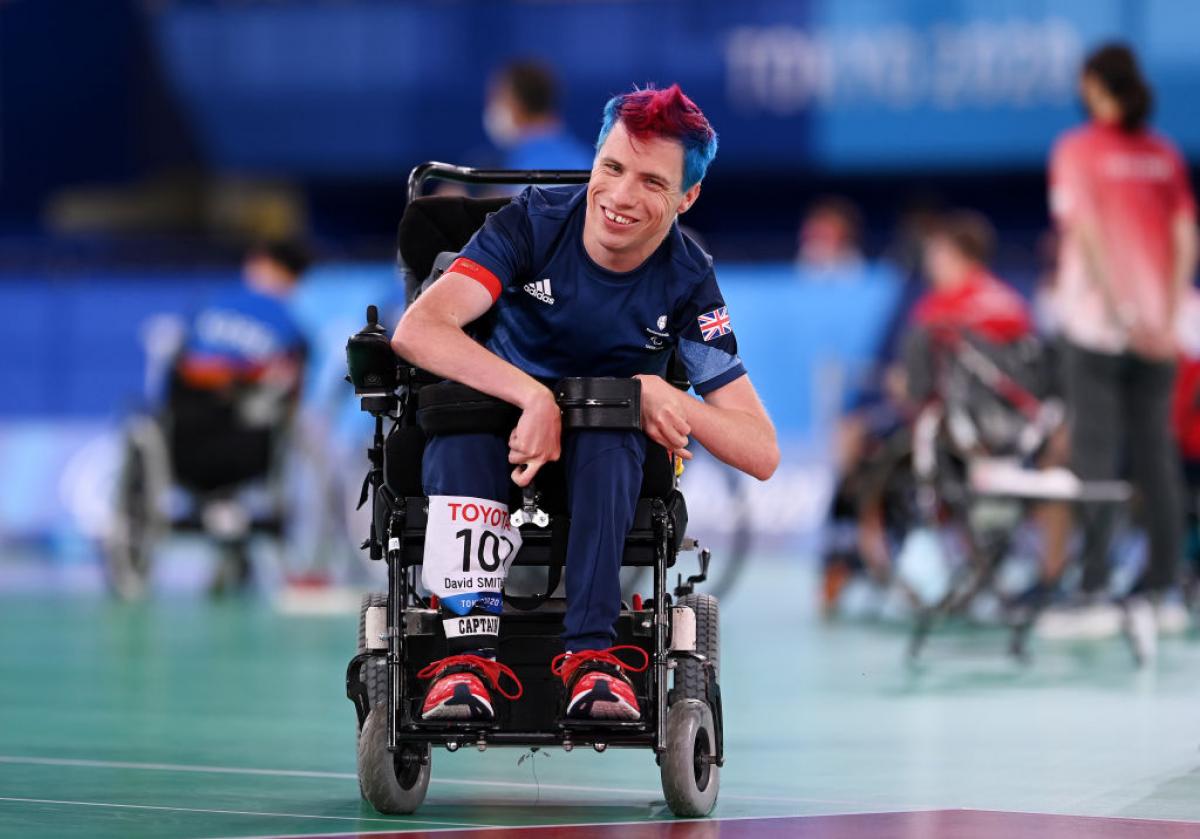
(633, 196)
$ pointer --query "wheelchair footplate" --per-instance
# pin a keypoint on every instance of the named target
(528, 643)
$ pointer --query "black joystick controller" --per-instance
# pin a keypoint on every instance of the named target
(372, 366)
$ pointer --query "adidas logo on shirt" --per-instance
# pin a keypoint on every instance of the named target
(541, 290)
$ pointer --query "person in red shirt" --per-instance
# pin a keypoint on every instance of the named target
(965, 299)
(968, 303)
(1120, 197)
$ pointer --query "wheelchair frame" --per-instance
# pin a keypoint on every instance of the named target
(410, 617)
(403, 597)
(942, 431)
(142, 521)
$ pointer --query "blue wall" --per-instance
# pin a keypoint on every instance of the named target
(311, 87)
(70, 345)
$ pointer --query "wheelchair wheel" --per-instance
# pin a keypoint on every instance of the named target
(375, 671)
(690, 778)
(691, 679)
(138, 522)
(394, 783)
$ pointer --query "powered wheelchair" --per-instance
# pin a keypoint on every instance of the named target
(398, 632)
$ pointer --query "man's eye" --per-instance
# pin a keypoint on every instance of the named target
(612, 167)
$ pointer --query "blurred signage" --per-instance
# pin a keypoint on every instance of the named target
(786, 70)
(359, 87)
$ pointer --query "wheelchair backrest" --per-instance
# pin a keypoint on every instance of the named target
(997, 388)
(436, 224)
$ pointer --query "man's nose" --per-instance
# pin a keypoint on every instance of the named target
(623, 192)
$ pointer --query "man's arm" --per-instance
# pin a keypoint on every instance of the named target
(431, 336)
(1156, 339)
(1095, 257)
(731, 422)
(1071, 205)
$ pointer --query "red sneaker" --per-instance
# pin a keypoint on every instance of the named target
(597, 687)
(457, 691)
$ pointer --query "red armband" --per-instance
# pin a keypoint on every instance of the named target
(471, 268)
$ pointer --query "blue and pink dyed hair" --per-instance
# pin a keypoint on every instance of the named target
(665, 113)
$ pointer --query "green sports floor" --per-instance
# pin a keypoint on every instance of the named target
(193, 718)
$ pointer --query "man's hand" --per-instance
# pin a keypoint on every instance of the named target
(664, 415)
(537, 439)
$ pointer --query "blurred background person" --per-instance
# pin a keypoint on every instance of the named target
(963, 301)
(1126, 216)
(830, 239)
(867, 432)
(970, 304)
(234, 388)
(521, 117)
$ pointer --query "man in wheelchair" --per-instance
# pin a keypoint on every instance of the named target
(594, 281)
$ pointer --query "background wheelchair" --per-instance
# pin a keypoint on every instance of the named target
(972, 468)
(397, 636)
(187, 468)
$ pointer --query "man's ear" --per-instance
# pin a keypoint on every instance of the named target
(689, 198)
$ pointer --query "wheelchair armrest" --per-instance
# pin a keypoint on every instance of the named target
(600, 402)
(586, 402)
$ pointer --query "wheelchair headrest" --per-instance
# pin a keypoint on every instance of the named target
(438, 223)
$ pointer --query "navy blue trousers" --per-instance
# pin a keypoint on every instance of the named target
(604, 476)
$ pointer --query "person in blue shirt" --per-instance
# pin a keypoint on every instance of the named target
(521, 118)
(587, 280)
(238, 374)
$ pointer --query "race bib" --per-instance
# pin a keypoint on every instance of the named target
(469, 545)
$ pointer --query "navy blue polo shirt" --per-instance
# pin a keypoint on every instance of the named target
(559, 314)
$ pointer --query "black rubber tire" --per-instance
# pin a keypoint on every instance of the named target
(374, 672)
(690, 783)
(394, 783)
(690, 676)
(138, 525)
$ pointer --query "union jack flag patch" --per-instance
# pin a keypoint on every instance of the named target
(714, 324)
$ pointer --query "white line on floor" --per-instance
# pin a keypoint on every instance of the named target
(440, 824)
(301, 773)
(171, 767)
